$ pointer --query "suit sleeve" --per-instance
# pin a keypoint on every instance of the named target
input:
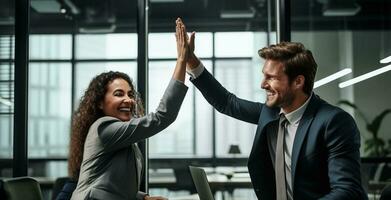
(226, 102)
(116, 134)
(343, 143)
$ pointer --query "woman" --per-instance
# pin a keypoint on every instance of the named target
(104, 156)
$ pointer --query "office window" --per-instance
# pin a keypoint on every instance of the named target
(6, 136)
(49, 109)
(6, 109)
(234, 44)
(6, 88)
(203, 112)
(237, 71)
(7, 69)
(163, 45)
(48, 169)
(236, 77)
(191, 133)
(50, 46)
(238, 68)
(106, 46)
(6, 95)
(177, 138)
(86, 71)
(7, 45)
(49, 99)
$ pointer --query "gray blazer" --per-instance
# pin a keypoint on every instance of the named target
(112, 162)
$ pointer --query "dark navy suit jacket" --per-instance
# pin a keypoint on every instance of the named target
(325, 156)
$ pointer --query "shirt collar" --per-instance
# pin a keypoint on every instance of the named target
(295, 116)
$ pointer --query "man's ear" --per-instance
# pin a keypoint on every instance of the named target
(299, 82)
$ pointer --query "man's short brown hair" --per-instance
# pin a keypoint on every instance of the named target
(297, 60)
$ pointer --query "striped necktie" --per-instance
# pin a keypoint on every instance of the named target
(280, 160)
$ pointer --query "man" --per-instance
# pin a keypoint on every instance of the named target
(304, 148)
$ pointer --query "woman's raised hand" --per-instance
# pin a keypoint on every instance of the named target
(181, 41)
(191, 59)
(182, 47)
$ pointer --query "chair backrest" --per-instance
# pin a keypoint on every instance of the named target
(63, 188)
(22, 188)
(2, 195)
(183, 180)
(58, 185)
(386, 193)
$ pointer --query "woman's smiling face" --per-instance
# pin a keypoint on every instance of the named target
(119, 100)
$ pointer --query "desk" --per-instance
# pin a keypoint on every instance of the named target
(220, 182)
(217, 182)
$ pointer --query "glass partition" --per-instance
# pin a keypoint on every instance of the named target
(7, 85)
(357, 38)
(49, 109)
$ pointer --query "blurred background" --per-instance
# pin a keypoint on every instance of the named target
(71, 41)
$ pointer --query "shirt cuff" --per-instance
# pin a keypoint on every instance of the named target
(196, 72)
(141, 195)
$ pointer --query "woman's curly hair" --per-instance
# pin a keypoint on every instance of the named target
(88, 112)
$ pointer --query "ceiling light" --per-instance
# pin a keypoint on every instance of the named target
(100, 28)
(335, 8)
(166, 1)
(236, 9)
(332, 77)
(237, 14)
(365, 76)
(63, 10)
(45, 6)
(386, 60)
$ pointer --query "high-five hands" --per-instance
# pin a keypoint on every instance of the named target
(185, 51)
(182, 46)
(192, 60)
(181, 41)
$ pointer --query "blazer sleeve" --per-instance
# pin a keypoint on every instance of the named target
(343, 145)
(116, 134)
(226, 102)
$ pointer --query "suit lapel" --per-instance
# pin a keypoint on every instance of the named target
(302, 131)
(138, 162)
(267, 115)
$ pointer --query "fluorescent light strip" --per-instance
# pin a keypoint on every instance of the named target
(5, 102)
(365, 76)
(386, 60)
(332, 77)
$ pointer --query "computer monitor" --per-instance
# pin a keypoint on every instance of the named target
(201, 183)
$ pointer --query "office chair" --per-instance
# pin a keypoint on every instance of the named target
(63, 188)
(58, 185)
(22, 188)
(2, 194)
(386, 193)
(183, 180)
